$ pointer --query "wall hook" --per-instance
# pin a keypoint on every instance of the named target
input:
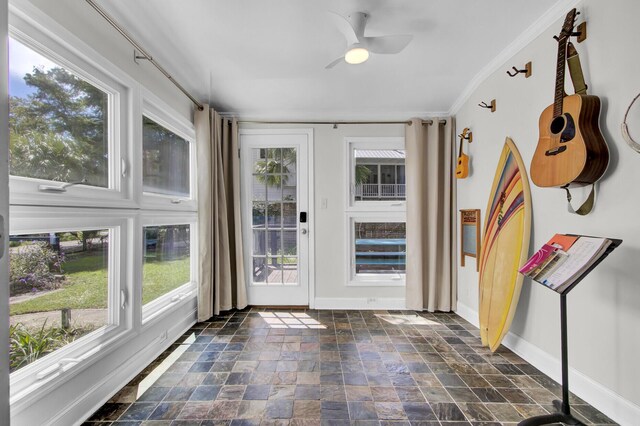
(526, 71)
(491, 105)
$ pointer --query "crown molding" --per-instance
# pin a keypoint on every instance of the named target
(543, 23)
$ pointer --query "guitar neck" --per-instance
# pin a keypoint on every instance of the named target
(460, 151)
(560, 71)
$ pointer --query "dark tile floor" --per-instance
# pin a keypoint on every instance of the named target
(265, 367)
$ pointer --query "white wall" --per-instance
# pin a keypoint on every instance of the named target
(604, 313)
(4, 211)
(331, 183)
(84, 392)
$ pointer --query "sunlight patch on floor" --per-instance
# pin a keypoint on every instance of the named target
(290, 320)
(406, 320)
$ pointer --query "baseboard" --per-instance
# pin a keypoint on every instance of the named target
(361, 303)
(604, 399)
(83, 407)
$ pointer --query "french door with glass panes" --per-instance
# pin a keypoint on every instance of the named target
(275, 186)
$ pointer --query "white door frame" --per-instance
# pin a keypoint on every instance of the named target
(308, 132)
(4, 212)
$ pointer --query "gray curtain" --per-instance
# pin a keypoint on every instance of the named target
(221, 283)
(431, 232)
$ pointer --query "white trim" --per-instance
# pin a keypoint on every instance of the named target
(554, 13)
(604, 399)
(360, 303)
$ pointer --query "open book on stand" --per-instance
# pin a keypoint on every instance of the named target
(563, 259)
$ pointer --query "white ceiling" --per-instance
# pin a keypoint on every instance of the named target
(266, 58)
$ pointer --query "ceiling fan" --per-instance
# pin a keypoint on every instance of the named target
(358, 46)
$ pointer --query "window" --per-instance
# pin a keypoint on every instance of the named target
(379, 248)
(65, 128)
(59, 290)
(167, 260)
(375, 216)
(92, 260)
(165, 161)
(376, 173)
(274, 216)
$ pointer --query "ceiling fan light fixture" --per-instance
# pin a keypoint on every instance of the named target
(356, 55)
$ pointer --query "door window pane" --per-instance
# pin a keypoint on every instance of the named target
(377, 175)
(58, 286)
(380, 247)
(58, 122)
(166, 161)
(167, 262)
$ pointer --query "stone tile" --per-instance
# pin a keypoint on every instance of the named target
(309, 392)
(109, 411)
(447, 411)
(334, 410)
(332, 393)
(390, 410)
(384, 394)
(476, 411)
(195, 411)
(223, 410)
(257, 392)
(488, 395)
(282, 392)
(138, 411)
(166, 411)
(306, 409)
(231, 392)
(436, 394)
(358, 393)
(251, 409)
(359, 410)
(504, 412)
(418, 411)
(279, 409)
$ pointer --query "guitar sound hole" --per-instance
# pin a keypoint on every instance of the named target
(557, 125)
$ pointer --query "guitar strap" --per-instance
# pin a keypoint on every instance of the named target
(575, 69)
(587, 206)
(580, 87)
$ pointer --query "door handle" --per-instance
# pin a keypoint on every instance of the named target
(304, 231)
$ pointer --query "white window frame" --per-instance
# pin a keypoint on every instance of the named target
(369, 280)
(382, 143)
(120, 191)
(156, 110)
(176, 297)
(45, 374)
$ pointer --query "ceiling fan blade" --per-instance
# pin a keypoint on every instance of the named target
(387, 44)
(344, 26)
(334, 63)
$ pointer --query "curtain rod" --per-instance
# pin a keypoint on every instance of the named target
(144, 54)
(336, 123)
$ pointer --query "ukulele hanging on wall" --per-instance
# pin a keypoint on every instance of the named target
(571, 149)
(462, 166)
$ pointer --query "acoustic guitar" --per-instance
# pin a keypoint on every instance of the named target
(462, 166)
(571, 148)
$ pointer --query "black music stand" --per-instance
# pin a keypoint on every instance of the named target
(564, 410)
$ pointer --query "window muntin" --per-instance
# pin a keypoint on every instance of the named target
(379, 249)
(59, 290)
(167, 260)
(166, 161)
(274, 216)
(59, 122)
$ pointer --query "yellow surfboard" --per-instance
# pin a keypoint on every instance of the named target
(505, 246)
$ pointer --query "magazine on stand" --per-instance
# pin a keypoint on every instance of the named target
(563, 259)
